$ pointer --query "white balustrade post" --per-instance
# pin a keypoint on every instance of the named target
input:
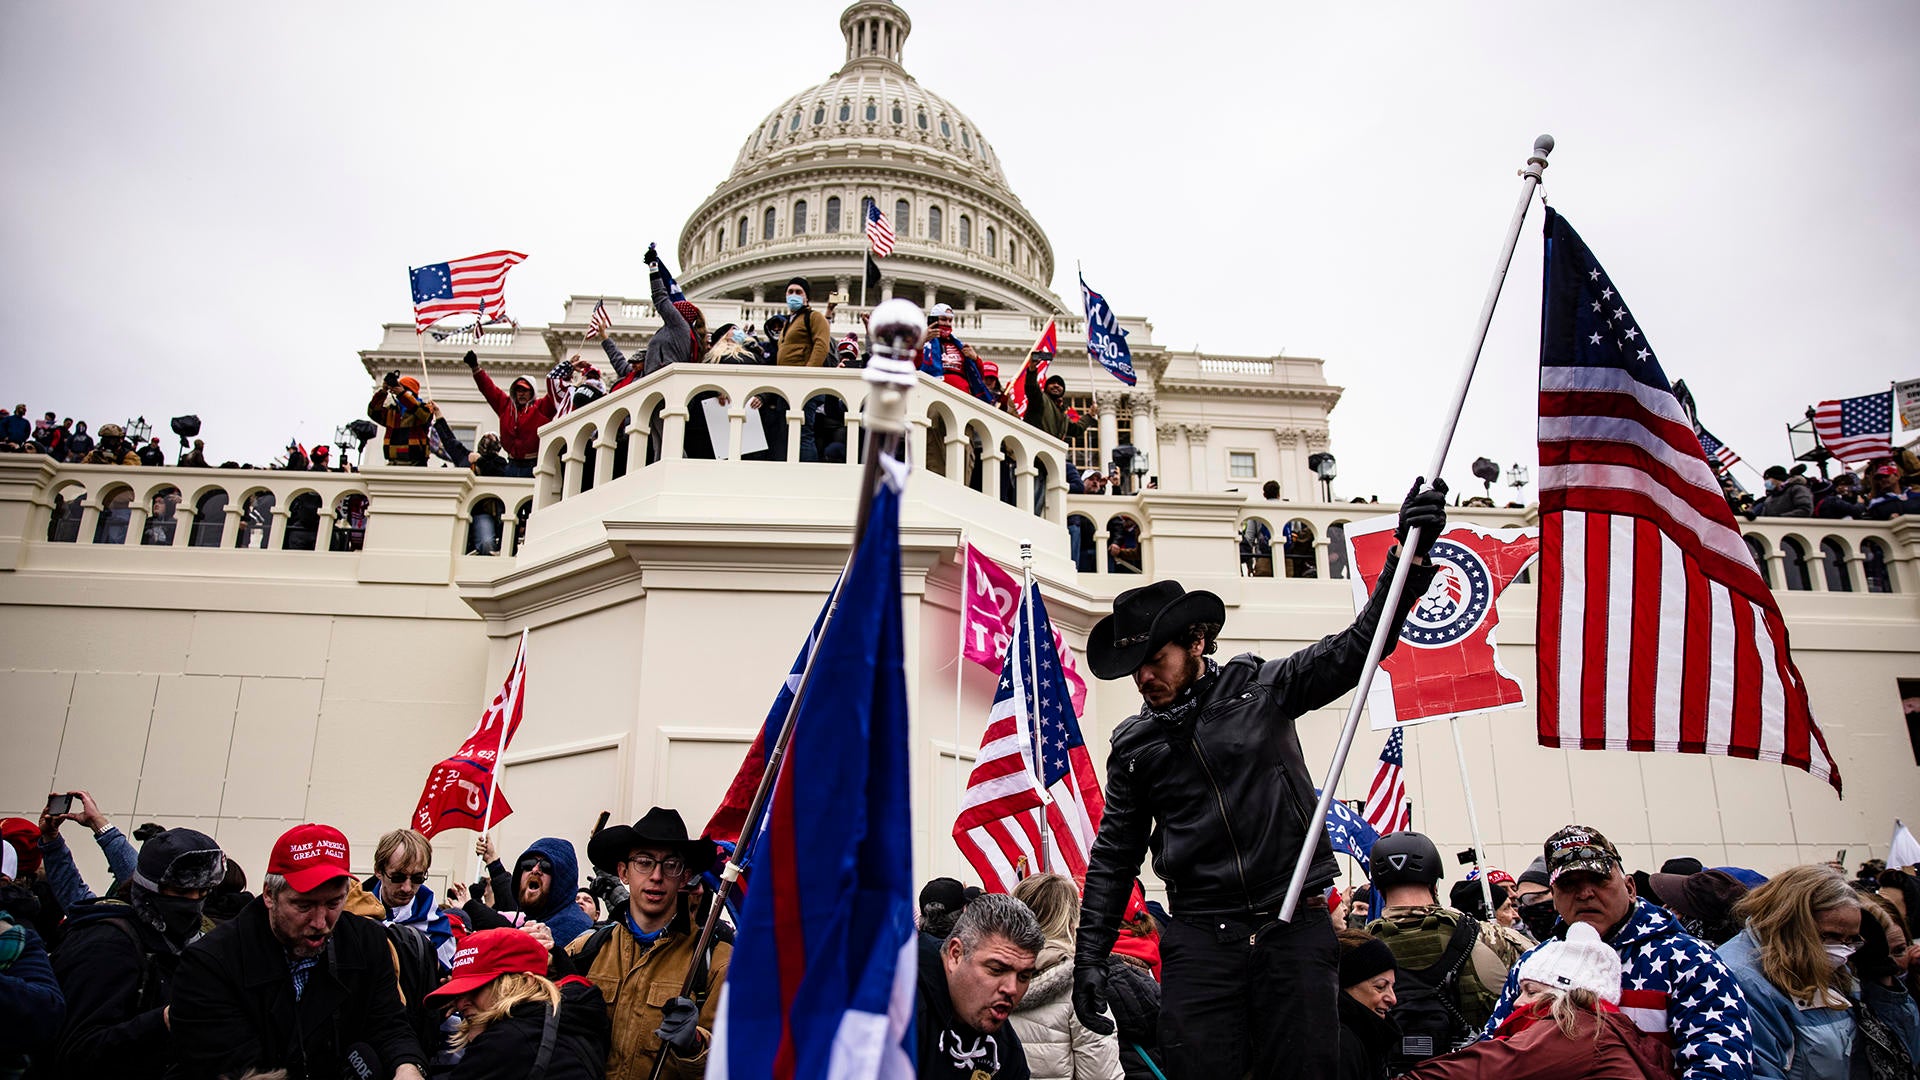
(277, 525)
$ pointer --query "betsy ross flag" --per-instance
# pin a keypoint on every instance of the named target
(457, 789)
(599, 322)
(825, 961)
(1856, 428)
(478, 282)
(998, 829)
(1047, 347)
(1656, 631)
(1388, 809)
(879, 233)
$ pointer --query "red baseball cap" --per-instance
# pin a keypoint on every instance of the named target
(309, 856)
(489, 954)
(24, 835)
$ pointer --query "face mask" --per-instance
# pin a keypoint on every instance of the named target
(1773, 485)
(1838, 955)
(795, 303)
(739, 337)
(1540, 918)
(180, 914)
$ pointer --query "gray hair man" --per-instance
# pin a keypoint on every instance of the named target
(969, 984)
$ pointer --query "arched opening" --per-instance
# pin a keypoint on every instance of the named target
(209, 520)
(483, 526)
(934, 228)
(1834, 554)
(588, 453)
(1013, 251)
(1123, 545)
(256, 517)
(902, 217)
(1297, 538)
(1256, 548)
(116, 510)
(1793, 558)
(349, 522)
(833, 213)
(1080, 539)
(620, 446)
(1758, 549)
(766, 225)
(1010, 462)
(993, 245)
(1873, 560)
(770, 418)
(551, 476)
(521, 514)
(63, 520)
(936, 456)
(977, 437)
(163, 518)
(799, 217)
(1337, 550)
(303, 522)
(966, 231)
(740, 238)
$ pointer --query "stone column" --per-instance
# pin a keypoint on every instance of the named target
(136, 524)
(1170, 438)
(928, 306)
(604, 445)
(183, 521)
(1197, 457)
(759, 294)
(673, 433)
(573, 468)
(229, 536)
(886, 288)
(1109, 403)
(1313, 440)
(957, 457)
(277, 525)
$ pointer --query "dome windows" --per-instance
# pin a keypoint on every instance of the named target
(740, 238)
(1013, 251)
(903, 217)
(766, 229)
(794, 124)
(833, 213)
(966, 231)
(899, 116)
(993, 245)
(920, 118)
(846, 111)
(946, 129)
(819, 115)
(799, 217)
(873, 110)
(934, 230)
(773, 130)
(966, 138)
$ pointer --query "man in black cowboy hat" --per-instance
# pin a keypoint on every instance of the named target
(1210, 776)
(648, 946)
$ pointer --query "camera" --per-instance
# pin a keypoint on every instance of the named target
(59, 804)
(607, 889)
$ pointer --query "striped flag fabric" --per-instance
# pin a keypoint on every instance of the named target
(1719, 454)
(879, 232)
(456, 793)
(1388, 809)
(459, 286)
(1856, 428)
(1656, 631)
(599, 322)
(998, 828)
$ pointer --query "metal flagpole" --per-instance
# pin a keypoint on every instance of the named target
(500, 748)
(1093, 378)
(1473, 819)
(1530, 179)
(1032, 699)
(959, 670)
(894, 333)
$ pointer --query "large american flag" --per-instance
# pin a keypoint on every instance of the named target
(1856, 428)
(476, 283)
(599, 322)
(1718, 453)
(998, 829)
(1388, 809)
(879, 233)
(1656, 630)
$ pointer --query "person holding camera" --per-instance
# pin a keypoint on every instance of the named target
(63, 877)
(397, 407)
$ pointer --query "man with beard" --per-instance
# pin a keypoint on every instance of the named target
(545, 878)
(970, 984)
(31, 1005)
(521, 412)
(293, 982)
(644, 952)
(118, 960)
(1211, 777)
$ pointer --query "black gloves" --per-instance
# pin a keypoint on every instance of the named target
(392, 380)
(1090, 997)
(652, 257)
(1428, 511)
(473, 361)
(680, 1026)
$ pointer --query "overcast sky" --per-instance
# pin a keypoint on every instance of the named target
(210, 207)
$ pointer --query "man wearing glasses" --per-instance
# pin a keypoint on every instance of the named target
(400, 863)
(641, 959)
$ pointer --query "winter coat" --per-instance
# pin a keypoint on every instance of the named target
(946, 1048)
(1366, 1039)
(1895, 1008)
(1134, 997)
(1045, 413)
(637, 981)
(1616, 1050)
(1057, 1046)
(1791, 499)
(671, 344)
(1788, 1040)
(64, 877)
(933, 362)
(1673, 985)
(122, 454)
(79, 445)
(806, 340)
(1223, 794)
(234, 1008)
(509, 1046)
(519, 428)
(32, 1007)
(16, 429)
(557, 910)
(117, 974)
(405, 438)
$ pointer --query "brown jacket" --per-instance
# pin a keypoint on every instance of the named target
(806, 340)
(638, 982)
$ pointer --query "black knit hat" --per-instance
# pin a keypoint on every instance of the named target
(1364, 961)
(802, 282)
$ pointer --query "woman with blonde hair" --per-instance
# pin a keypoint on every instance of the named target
(1057, 1046)
(1791, 962)
(506, 1004)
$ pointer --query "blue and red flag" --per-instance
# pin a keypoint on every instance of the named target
(824, 965)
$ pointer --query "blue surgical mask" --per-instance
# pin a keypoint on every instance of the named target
(795, 303)
(739, 337)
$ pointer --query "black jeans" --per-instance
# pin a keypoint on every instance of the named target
(1250, 997)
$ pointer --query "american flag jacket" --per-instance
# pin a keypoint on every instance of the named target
(1674, 986)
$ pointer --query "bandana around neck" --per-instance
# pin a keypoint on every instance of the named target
(1181, 708)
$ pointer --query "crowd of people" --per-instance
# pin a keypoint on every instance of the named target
(1884, 488)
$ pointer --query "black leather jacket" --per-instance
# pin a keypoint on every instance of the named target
(1223, 797)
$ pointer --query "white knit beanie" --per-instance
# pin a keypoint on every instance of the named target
(1581, 961)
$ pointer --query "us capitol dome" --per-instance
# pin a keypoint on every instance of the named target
(795, 200)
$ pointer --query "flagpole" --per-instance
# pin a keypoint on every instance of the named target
(1032, 700)
(1473, 819)
(1530, 180)
(1093, 378)
(500, 748)
(959, 668)
(894, 332)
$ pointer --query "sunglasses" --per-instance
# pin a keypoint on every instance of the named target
(394, 877)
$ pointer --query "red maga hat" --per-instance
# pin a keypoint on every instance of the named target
(489, 954)
(309, 856)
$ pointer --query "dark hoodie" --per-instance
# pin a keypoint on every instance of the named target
(117, 973)
(506, 1050)
(557, 910)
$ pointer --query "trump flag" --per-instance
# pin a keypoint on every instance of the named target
(1446, 663)
(458, 789)
(989, 619)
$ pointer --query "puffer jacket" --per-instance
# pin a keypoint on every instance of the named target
(1222, 796)
(1058, 1047)
(1793, 498)
(1134, 996)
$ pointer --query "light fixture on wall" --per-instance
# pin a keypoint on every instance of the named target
(1326, 469)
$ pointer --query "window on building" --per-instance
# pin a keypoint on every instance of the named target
(1013, 251)
(799, 217)
(902, 218)
(899, 116)
(966, 231)
(921, 119)
(819, 115)
(773, 129)
(873, 110)
(934, 231)
(833, 213)
(846, 111)
(1758, 549)
(1084, 450)
(993, 249)
(719, 238)
(946, 129)
(1241, 465)
(1793, 559)
(766, 228)
(1834, 554)
(966, 138)
(741, 239)
(794, 125)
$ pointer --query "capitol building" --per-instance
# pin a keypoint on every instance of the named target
(192, 648)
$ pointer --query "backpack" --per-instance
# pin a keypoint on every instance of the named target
(589, 949)
(1428, 1012)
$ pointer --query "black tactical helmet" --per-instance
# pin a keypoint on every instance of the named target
(1405, 858)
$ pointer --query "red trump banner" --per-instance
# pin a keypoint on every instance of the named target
(1446, 663)
(462, 792)
(991, 603)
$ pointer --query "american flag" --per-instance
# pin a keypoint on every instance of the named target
(1656, 630)
(1856, 428)
(560, 386)
(461, 285)
(1388, 809)
(599, 322)
(998, 829)
(879, 233)
(1719, 453)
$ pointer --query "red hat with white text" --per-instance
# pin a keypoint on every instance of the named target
(309, 856)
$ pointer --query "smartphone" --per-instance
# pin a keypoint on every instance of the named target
(59, 804)
(837, 298)
(1841, 857)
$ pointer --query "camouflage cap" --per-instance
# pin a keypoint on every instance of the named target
(1577, 847)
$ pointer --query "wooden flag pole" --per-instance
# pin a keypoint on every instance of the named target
(1530, 180)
